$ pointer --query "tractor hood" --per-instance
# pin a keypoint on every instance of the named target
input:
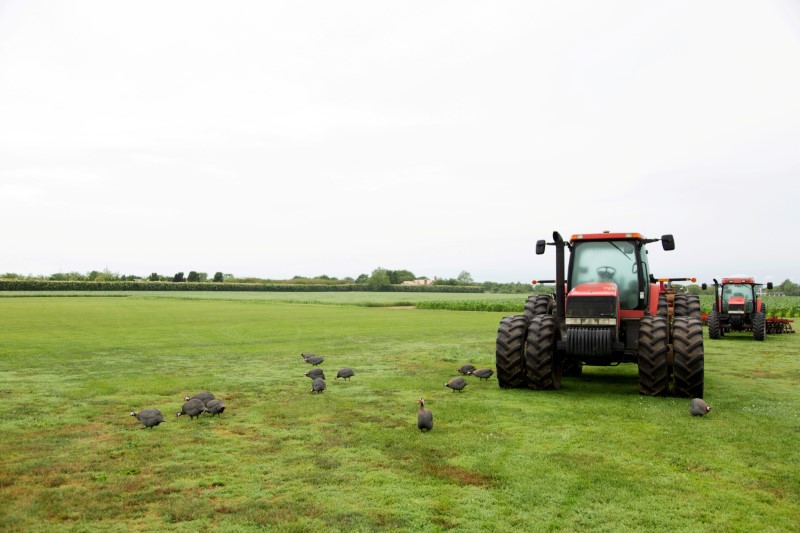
(595, 288)
(736, 300)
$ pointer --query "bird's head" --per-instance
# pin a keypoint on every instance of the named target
(133, 414)
(185, 398)
(180, 413)
(708, 408)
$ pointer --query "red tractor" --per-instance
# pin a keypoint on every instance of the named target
(606, 311)
(737, 307)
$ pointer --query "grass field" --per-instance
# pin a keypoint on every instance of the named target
(592, 456)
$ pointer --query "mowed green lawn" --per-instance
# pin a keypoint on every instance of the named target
(593, 456)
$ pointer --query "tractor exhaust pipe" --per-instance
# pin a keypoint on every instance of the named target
(560, 292)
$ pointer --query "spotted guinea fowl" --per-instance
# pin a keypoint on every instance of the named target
(193, 408)
(457, 384)
(314, 360)
(424, 417)
(315, 373)
(465, 369)
(482, 373)
(318, 385)
(345, 373)
(698, 407)
(149, 417)
(215, 407)
(204, 396)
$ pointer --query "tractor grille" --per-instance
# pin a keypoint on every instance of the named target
(736, 309)
(592, 307)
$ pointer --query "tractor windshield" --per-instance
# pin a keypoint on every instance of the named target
(615, 261)
(738, 289)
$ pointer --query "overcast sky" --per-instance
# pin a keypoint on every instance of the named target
(275, 139)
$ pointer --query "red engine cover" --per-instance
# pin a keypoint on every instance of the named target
(595, 288)
(736, 300)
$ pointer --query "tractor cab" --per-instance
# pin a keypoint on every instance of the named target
(611, 265)
(737, 295)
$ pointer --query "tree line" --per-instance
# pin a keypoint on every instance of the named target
(377, 279)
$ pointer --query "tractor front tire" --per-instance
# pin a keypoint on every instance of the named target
(759, 326)
(653, 351)
(538, 304)
(687, 305)
(509, 353)
(713, 325)
(543, 368)
(687, 347)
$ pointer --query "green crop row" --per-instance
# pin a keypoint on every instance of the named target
(511, 305)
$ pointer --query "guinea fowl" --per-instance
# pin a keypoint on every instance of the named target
(345, 373)
(466, 369)
(315, 373)
(482, 373)
(193, 408)
(457, 384)
(313, 360)
(698, 407)
(318, 385)
(204, 396)
(424, 417)
(215, 407)
(149, 417)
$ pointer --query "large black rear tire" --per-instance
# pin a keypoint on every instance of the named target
(653, 351)
(541, 362)
(713, 325)
(687, 305)
(538, 304)
(687, 348)
(759, 326)
(509, 353)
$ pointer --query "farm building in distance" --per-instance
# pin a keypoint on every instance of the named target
(423, 281)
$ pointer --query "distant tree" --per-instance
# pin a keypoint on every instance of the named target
(465, 278)
(396, 277)
(362, 278)
(178, 278)
(153, 277)
(218, 277)
(193, 277)
(11, 275)
(379, 279)
(67, 276)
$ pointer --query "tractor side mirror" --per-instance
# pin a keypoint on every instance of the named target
(769, 285)
(540, 247)
(668, 242)
(704, 286)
